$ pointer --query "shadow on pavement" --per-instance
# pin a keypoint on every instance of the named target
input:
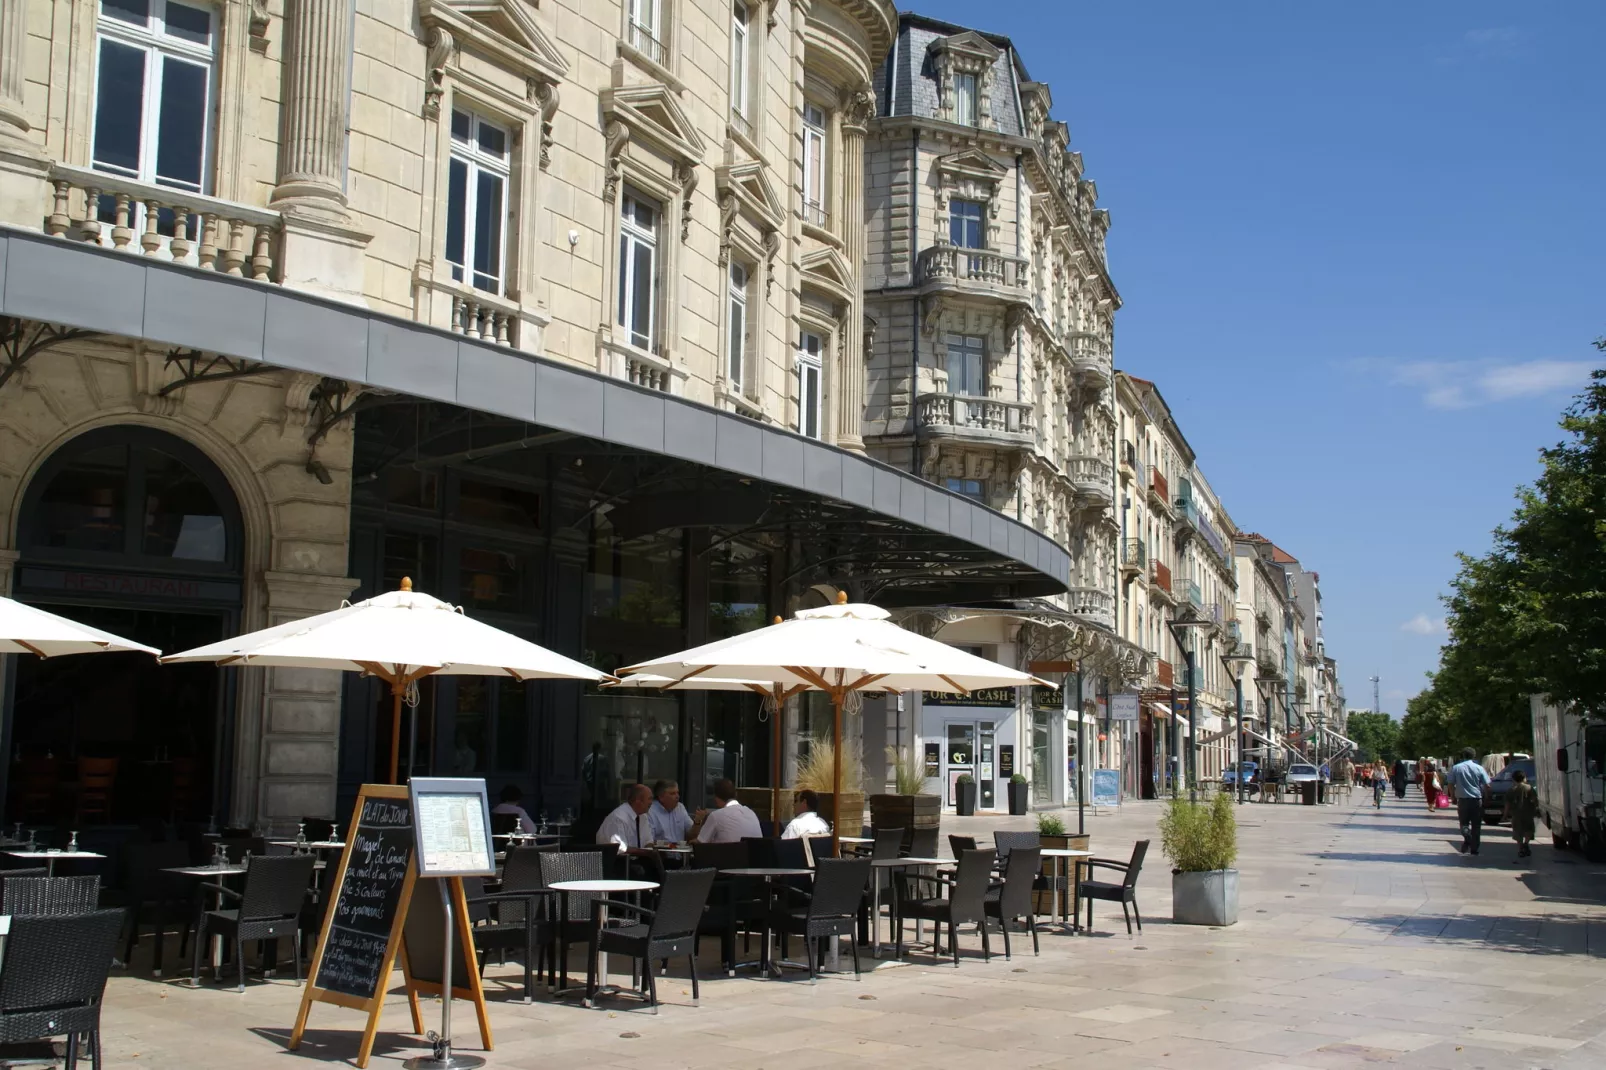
(326, 1045)
(1553, 934)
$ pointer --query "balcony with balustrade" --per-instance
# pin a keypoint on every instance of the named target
(1092, 478)
(988, 420)
(979, 272)
(1134, 558)
(1164, 673)
(1089, 355)
(1129, 460)
(1092, 604)
(1160, 580)
(1159, 490)
(1268, 664)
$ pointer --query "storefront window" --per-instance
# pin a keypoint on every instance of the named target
(411, 556)
(739, 740)
(491, 728)
(1042, 788)
(491, 579)
(628, 737)
(83, 508)
(640, 579)
(492, 503)
(738, 589)
(182, 519)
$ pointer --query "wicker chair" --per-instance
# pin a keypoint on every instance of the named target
(1012, 898)
(270, 907)
(571, 915)
(1005, 842)
(958, 845)
(886, 843)
(1125, 892)
(166, 896)
(49, 896)
(966, 902)
(54, 976)
(734, 903)
(509, 920)
(668, 932)
(828, 911)
(922, 843)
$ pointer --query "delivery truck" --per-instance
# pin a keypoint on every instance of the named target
(1570, 775)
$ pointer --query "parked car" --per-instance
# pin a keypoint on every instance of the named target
(1303, 773)
(1494, 796)
(1229, 777)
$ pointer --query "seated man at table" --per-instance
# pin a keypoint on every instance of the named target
(729, 821)
(808, 821)
(668, 817)
(627, 824)
(511, 797)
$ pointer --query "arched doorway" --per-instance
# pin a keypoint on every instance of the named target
(136, 531)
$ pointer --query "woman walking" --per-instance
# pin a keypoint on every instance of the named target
(1522, 806)
(1430, 784)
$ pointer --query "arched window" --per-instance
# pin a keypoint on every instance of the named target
(141, 496)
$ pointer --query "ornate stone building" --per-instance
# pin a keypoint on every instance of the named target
(991, 314)
(553, 306)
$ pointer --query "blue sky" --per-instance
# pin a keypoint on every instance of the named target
(1359, 248)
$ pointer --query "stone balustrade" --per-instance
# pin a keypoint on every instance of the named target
(490, 319)
(1094, 603)
(961, 414)
(174, 224)
(983, 267)
(1092, 476)
(1089, 353)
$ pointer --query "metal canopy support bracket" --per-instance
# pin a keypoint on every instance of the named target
(195, 366)
(22, 339)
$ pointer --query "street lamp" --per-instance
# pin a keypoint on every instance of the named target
(1177, 628)
(1235, 663)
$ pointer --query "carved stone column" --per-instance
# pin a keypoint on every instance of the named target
(321, 252)
(13, 71)
(23, 167)
(850, 388)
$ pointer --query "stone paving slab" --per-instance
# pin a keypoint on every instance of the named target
(1365, 939)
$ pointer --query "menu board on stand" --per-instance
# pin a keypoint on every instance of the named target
(362, 926)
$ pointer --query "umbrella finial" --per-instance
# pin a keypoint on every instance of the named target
(777, 619)
(407, 583)
(842, 598)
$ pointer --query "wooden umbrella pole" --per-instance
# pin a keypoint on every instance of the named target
(777, 730)
(397, 687)
(837, 695)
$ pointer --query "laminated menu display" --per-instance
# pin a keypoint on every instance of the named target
(453, 827)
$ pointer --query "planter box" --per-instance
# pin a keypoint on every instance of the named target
(852, 824)
(1044, 897)
(965, 799)
(1208, 898)
(907, 812)
(1020, 798)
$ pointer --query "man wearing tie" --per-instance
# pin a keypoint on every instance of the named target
(628, 821)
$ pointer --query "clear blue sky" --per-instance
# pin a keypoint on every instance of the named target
(1359, 246)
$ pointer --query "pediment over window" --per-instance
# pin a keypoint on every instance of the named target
(748, 183)
(652, 116)
(968, 51)
(972, 164)
(503, 30)
(825, 270)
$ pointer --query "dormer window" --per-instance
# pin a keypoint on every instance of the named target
(965, 99)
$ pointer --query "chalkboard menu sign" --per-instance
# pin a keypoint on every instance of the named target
(367, 901)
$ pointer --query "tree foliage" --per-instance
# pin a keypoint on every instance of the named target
(1530, 616)
(1377, 735)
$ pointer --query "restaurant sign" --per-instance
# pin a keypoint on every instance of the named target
(1002, 698)
(133, 587)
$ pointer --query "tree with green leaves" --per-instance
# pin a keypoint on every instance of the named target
(1376, 735)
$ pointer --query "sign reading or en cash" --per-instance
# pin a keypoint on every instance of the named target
(452, 819)
(1124, 707)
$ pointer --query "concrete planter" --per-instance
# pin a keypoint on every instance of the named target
(1207, 898)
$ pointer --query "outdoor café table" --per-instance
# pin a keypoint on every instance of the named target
(313, 845)
(606, 887)
(217, 901)
(1059, 855)
(52, 857)
(875, 905)
(765, 963)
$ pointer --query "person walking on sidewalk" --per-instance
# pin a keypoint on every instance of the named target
(1522, 806)
(1431, 790)
(1469, 779)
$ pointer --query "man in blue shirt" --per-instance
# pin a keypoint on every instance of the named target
(1468, 778)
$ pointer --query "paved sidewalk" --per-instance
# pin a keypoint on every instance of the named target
(1365, 939)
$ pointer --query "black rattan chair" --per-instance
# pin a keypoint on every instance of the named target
(668, 932)
(966, 902)
(734, 903)
(1005, 842)
(270, 907)
(50, 896)
(958, 845)
(885, 844)
(509, 921)
(819, 847)
(828, 911)
(1012, 897)
(570, 915)
(922, 844)
(1125, 892)
(54, 976)
(162, 896)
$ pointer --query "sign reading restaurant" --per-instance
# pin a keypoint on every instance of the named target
(1001, 698)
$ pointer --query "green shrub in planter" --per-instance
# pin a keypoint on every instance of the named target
(1050, 825)
(965, 795)
(1201, 840)
(1020, 794)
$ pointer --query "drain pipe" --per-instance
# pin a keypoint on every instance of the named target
(914, 302)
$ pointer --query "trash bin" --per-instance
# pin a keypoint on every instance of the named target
(1307, 792)
(1321, 791)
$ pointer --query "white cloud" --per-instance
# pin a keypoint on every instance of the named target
(1465, 384)
(1422, 624)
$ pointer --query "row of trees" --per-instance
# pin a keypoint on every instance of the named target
(1529, 617)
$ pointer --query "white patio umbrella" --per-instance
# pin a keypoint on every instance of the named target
(25, 629)
(837, 649)
(399, 637)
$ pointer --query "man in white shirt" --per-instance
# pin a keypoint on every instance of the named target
(729, 821)
(668, 817)
(510, 804)
(808, 821)
(627, 824)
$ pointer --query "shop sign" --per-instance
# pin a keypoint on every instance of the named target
(1006, 760)
(132, 587)
(933, 759)
(1053, 698)
(1002, 698)
(1124, 707)
(1106, 787)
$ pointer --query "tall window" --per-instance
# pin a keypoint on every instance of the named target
(814, 165)
(737, 298)
(964, 223)
(645, 28)
(153, 91)
(966, 368)
(970, 488)
(965, 99)
(476, 202)
(739, 59)
(638, 268)
(810, 373)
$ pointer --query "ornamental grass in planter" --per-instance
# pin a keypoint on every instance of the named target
(1201, 840)
(909, 806)
(1052, 834)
